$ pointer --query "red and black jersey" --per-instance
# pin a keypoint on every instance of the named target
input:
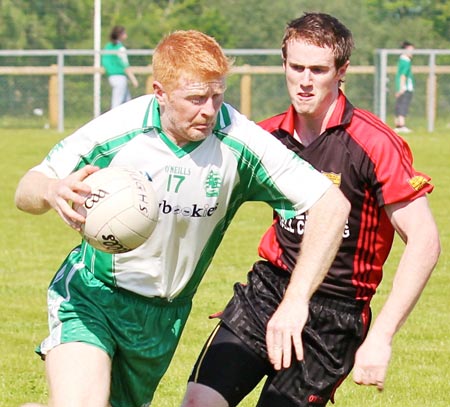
(372, 165)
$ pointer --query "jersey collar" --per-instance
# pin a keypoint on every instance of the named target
(342, 113)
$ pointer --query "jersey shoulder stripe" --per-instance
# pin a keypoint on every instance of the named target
(102, 154)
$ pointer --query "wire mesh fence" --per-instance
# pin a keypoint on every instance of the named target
(26, 77)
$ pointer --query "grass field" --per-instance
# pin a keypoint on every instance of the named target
(32, 247)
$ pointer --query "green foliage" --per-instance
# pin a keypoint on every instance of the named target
(399, 8)
(425, 22)
(60, 24)
(441, 18)
(11, 29)
(44, 24)
(203, 16)
(147, 22)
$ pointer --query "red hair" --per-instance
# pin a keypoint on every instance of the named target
(191, 54)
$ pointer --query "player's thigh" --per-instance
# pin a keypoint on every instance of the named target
(402, 105)
(228, 366)
(78, 375)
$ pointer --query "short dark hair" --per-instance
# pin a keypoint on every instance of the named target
(322, 30)
(406, 44)
(116, 32)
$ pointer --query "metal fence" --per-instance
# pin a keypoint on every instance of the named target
(64, 88)
(430, 67)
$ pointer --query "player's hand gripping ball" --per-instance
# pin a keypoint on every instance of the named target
(121, 212)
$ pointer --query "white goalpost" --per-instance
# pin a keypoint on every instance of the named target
(97, 48)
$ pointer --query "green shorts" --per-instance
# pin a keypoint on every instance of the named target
(139, 334)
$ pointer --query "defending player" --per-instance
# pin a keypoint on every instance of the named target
(373, 168)
(115, 320)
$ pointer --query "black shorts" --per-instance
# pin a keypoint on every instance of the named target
(402, 103)
(234, 359)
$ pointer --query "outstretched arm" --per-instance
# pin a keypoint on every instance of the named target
(132, 77)
(323, 235)
(37, 193)
(415, 224)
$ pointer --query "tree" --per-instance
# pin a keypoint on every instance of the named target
(147, 22)
(425, 22)
(60, 24)
(43, 24)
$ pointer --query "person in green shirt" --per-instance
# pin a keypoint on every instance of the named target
(117, 67)
(404, 87)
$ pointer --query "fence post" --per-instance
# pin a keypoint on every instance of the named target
(246, 94)
(53, 98)
(431, 93)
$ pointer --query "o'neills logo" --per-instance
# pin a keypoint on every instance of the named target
(418, 182)
(333, 177)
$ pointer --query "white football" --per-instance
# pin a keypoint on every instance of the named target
(121, 212)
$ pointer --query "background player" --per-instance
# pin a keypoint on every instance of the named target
(117, 67)
(373, 168)
(404, 87)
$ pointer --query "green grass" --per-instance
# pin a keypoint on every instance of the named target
(32, 247)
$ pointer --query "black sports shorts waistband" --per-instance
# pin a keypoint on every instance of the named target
(339, 303)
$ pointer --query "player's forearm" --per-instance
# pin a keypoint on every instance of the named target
(414, 270)
(322, 238)
(31, 193)
(131, 76)
(403, 83)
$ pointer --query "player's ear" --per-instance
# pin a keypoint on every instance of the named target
(158, 90)
(343, 70)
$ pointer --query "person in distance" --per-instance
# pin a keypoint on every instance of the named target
(117, 67)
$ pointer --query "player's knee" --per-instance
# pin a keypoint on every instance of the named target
(199, 395)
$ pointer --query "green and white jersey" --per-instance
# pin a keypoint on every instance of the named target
(404, 67)
(115, 64)
(200, 186)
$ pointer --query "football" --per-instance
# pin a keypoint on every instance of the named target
(121, 211)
